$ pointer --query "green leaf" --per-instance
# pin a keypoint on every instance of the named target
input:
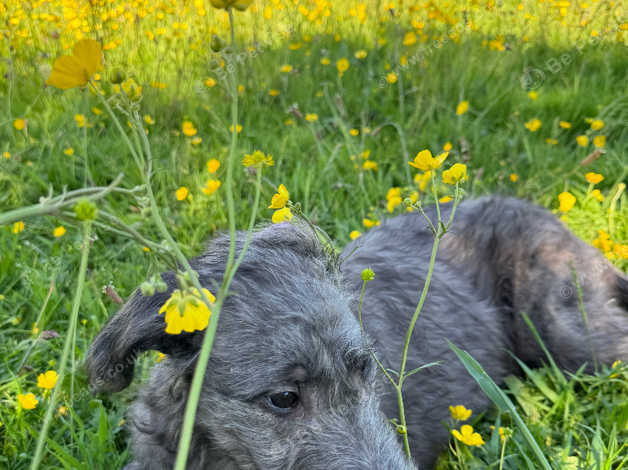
(500, 399)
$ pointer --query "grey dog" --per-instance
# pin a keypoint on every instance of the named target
(291, 383)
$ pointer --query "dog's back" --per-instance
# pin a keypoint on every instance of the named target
(501, 257)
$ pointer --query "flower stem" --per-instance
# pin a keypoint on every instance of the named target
(39, 451)
(208, 340)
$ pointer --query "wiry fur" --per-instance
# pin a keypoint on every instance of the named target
(289, 324)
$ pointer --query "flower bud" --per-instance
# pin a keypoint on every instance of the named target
(368, 275)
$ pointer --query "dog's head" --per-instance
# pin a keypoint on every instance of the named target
(290, 383)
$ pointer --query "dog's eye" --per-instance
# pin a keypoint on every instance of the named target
(284, 400)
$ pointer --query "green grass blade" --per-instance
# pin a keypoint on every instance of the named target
(500, 399)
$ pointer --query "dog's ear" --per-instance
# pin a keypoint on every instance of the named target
(622, 290)
(136, 327)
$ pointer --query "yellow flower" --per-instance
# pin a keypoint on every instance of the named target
(20, 124)
(273, 92)
(462, 108)
(69, 151)
(257, 158)
(566, 201)
(447, 147)
(280, 199)
(457, 172)
(582, 140)
(551, 141)
(47, 380)
(354, 132)
(286, 68)
(196, 141)
(325, 61)
(311, 117)
(533, 125)
(149, 120)
(213, 165)
(186, 311)
(27, 401)
(210, 82)
(182, 193)
(533, 95)
(342, 65)
(188, 128)
(445, 199)
(391, 78)
(597, 124)
(211, 186)
(76, 70)
(370, 165)
(226, 4)
(361, 54)
(459, 413)
(514, 177)
(368, 223)
(18, 227)
(96, 111)
(59, 231)
(425, 162)
(564, 124)
(81, 120)
(467, 436)
(594, 178)
(409, 39)
(62, 411)
(354, 234)
(597, 194)
(599, 141)
(238, 128)
(282, 215)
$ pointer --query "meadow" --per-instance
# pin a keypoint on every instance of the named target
(530, 96)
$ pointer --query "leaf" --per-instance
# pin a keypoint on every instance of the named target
(500, 399)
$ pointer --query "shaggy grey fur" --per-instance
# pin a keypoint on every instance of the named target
(289, 326)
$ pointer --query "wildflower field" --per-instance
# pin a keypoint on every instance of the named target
(113, 111)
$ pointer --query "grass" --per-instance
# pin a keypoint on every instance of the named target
(492, 61)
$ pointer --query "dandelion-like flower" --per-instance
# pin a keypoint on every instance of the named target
(566, 201)
(211, 186)
(282, 215)
(76, 70)
(185, 311)
(257, 159)
(27, 401)
(467, 436)
(213, 165)
(280, 199)
(424, 160)
(460, 413)
(594, 178)
(182, 193)
(533, 125)
(342, 65)
(47, 380)
(457, 172)
(462, 108)
(59, 231)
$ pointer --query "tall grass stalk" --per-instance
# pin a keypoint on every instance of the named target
(69, 340)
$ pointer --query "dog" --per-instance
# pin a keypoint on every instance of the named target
(291, 383)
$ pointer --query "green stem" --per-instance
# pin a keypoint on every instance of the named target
(208, 340)
(39, 451)
(59, 202)
(377, 361)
